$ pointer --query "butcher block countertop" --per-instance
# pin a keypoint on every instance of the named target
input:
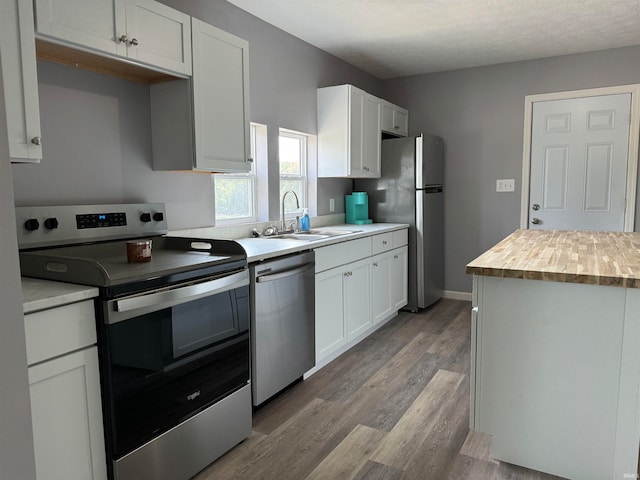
(589, 257)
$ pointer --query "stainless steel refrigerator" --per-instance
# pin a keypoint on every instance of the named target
(410, 190)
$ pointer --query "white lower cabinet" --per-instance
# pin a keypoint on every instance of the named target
(330, 328)
(342, 306)
(399, 277)
(381, 286)
(357, 298)
(67, 419)
(356, 292)
(64, 384)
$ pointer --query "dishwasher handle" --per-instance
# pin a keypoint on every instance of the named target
(271, 277)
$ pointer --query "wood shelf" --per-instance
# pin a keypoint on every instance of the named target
(56, 53)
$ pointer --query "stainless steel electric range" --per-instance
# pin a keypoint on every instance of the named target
(173, 332)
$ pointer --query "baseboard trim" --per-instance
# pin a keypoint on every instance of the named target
(453, 295)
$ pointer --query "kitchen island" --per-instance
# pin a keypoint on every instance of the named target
(555, 363)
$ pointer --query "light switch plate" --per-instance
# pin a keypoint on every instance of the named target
(506, 185)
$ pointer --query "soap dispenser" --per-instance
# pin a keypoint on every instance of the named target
(305, 223)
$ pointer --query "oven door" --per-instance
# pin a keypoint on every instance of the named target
(170, 353)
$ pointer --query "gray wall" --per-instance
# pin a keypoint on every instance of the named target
(16, 437)
(96, 129)
(480, 114)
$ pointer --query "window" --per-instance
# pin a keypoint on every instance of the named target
(235, 193)
(293, 169)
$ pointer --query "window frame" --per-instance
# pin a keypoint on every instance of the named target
(251, 175)
(303, 177)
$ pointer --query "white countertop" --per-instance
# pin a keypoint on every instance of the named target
(44, 294)
(259, 249)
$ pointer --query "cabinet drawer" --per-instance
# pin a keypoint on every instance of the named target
(400, 237)
(54, 332)
(341, 253)
(382, 243)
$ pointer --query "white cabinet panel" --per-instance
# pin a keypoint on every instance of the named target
(399, 278)
(394, 119)
(67, 418)
(50, 333)
(547, 356)
(202, 124)
(371, 139)
(220, 99)
(357, 301)
(144, 31)
(381, 286)
(89, 24)
(338, 254)
(382, 243)
(159, 35)
(330, 326)
(389, 283)
(20, 81)
(356, 292)
(349, 133)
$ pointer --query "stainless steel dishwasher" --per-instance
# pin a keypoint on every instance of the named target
(282, 323)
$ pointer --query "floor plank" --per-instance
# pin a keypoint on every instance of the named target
(346, 460)
(394, 407)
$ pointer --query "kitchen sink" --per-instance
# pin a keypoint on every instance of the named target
(314, 234)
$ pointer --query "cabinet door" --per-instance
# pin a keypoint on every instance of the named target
(67, 418)
(386, 116)
(394, 119)
(382, 285)
(330, 327)
(220, 99)
(357, 298)
(371, 138)
(356, 132)
(20, 81)
(401, 122)
(159, 35)
(89, 24)
(399, 277)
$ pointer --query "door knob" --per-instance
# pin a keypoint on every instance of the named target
(535, 207)
(536, 221)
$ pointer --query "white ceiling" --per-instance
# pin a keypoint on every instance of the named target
(393, 38)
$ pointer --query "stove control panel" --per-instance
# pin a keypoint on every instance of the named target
(100, 220)
(66, 225)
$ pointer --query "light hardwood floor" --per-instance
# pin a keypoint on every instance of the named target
(394, 407)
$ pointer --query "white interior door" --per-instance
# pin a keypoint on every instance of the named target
(579, 152)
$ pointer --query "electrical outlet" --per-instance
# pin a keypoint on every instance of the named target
(506, 185)
(332, 205)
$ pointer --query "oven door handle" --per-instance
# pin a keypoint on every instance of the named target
(170, 298)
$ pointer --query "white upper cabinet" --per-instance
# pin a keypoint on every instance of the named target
(158, 35)
(395, 119)
(143, 31)
(220, 99)
(348, 133)
(203, 124)
(20, 81)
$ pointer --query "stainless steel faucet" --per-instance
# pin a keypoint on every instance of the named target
(284, 224)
